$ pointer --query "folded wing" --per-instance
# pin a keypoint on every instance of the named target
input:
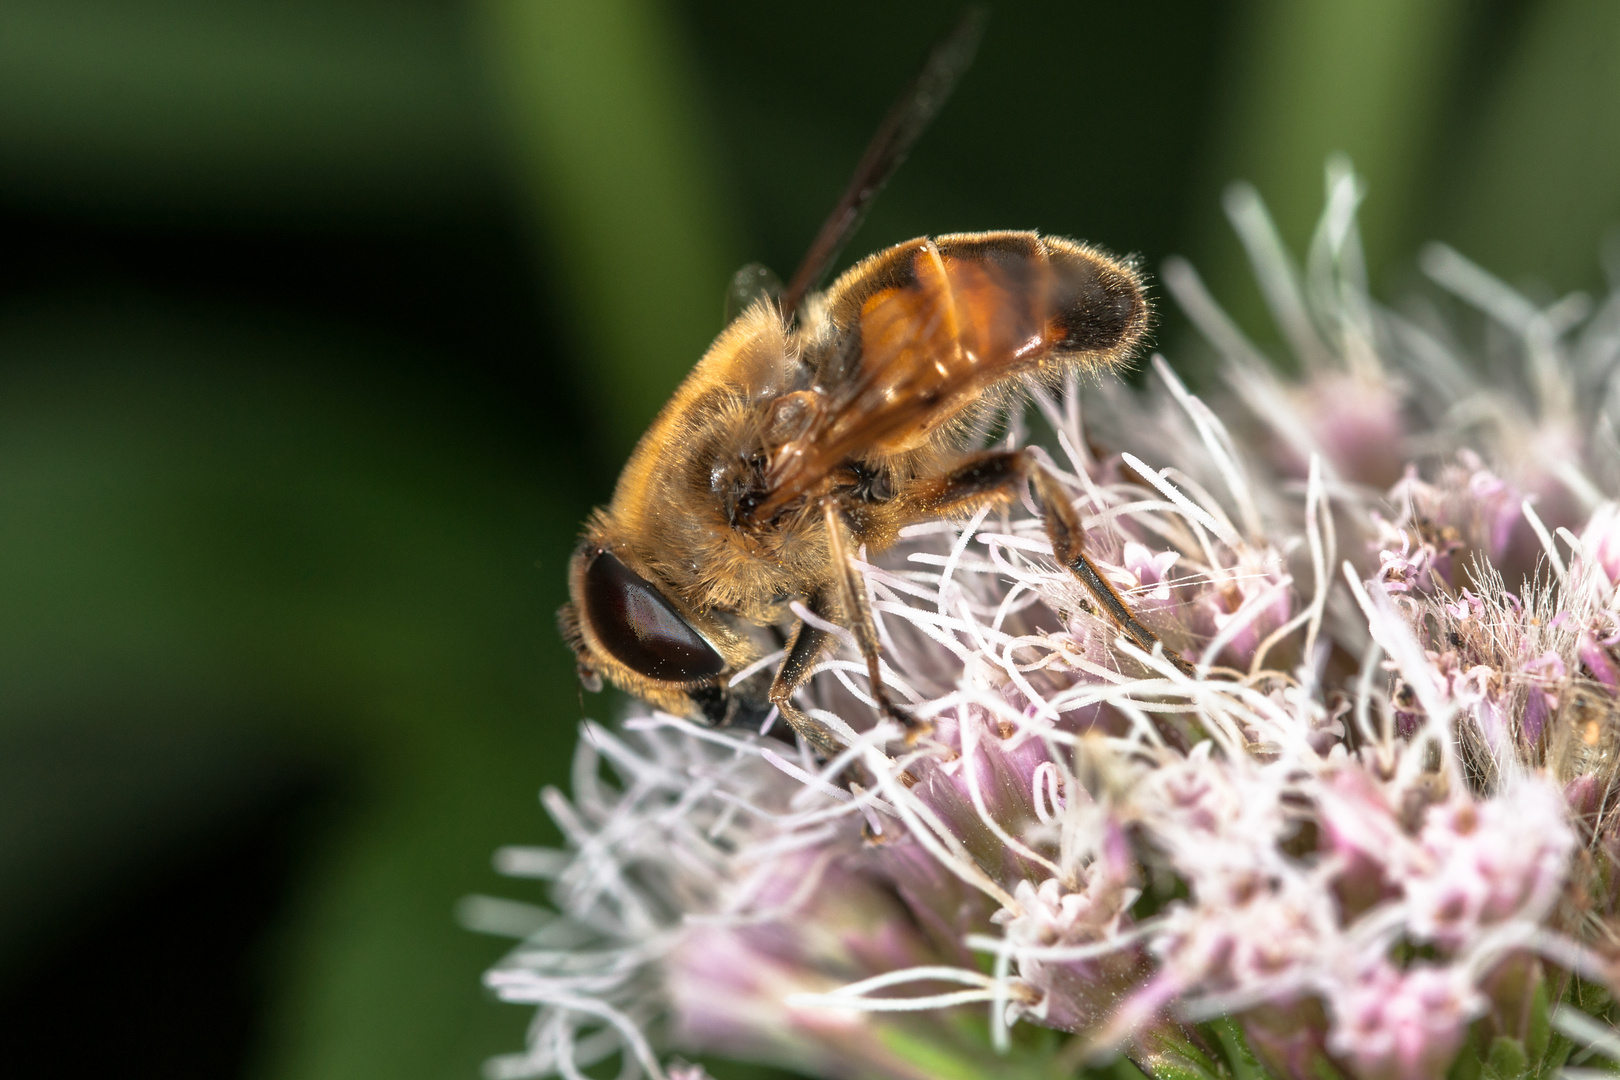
(921, 331)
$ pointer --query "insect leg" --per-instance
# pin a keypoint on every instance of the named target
(851, 588)
(1068, 539)
(994, 475)
(805, 649)
(988, 477)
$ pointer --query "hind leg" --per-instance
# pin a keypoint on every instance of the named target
(993, 476)
(1068, 539)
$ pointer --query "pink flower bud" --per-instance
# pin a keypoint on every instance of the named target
(1403, 1025)
(1600, 541)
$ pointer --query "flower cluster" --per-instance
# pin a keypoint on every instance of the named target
(1374, 834)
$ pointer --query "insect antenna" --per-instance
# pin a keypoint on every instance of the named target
(906, 119)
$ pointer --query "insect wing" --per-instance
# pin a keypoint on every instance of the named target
(930, 346)
(924, 329)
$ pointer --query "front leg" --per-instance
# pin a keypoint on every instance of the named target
(806, 648)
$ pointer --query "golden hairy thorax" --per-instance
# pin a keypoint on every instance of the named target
(665, 509)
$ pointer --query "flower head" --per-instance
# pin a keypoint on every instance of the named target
(1375, 828)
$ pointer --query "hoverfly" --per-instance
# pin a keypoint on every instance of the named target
(818, 424)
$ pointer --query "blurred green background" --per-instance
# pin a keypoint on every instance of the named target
(322, 325)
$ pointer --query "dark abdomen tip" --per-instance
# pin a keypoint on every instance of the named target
(1098, 303)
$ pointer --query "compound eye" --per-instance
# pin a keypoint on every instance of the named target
(640, 628)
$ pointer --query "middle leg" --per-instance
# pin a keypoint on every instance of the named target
(851, 589)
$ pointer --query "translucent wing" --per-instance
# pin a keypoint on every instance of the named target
(921, 331)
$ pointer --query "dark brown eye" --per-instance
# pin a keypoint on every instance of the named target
(640, 628)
